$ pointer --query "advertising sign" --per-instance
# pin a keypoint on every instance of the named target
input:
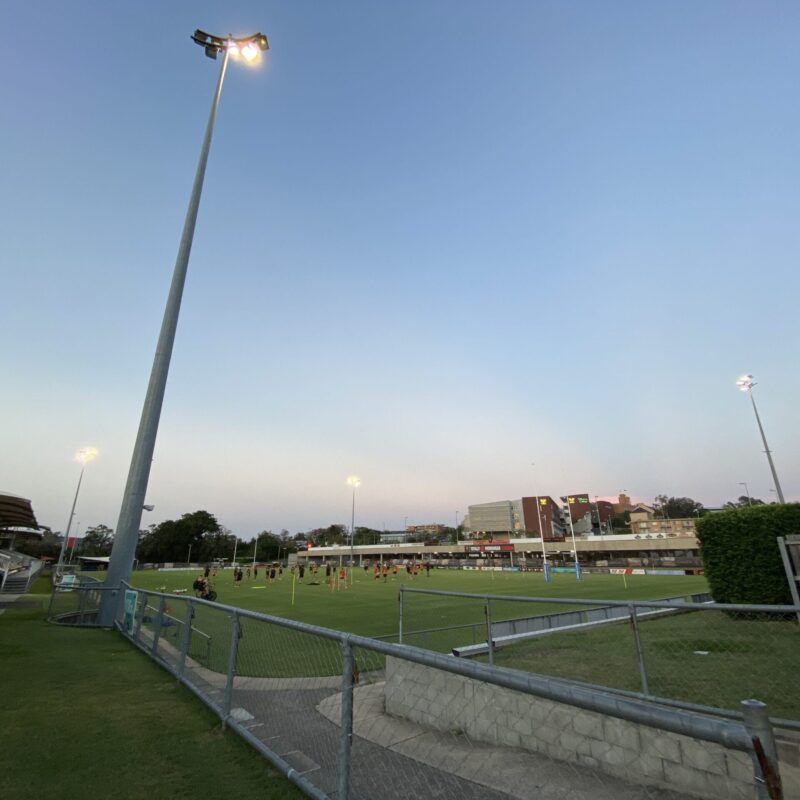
(131, 597)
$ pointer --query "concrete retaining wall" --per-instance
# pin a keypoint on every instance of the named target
(636, 753)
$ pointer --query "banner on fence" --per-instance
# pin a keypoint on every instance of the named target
(131, 597)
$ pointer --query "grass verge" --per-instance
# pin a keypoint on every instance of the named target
(83, 710)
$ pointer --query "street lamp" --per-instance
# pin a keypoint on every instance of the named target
(746, 384)
(83, 457)
(355, 482)
(130, 515)
(747, 492)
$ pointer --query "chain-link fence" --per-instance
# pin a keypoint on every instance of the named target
(687, 650)
(76, 603)
(344, 716)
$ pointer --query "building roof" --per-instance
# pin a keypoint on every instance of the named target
(16, 512)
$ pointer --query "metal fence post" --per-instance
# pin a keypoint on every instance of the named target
(52, 601)
(157, 626)
(226, 703)
(765, 753)
(489, 639)
(639, 652)
(81, 604)
(346, 734)
(186, 635)
(400, 633)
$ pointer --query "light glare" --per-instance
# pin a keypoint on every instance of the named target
(250, 52)
(745, 383)
(354, 481)
(85, 455)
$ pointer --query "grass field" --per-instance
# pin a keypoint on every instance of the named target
(370, 607)
(702, 657)
(85, 712)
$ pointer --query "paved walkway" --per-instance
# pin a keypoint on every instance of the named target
(392, 758)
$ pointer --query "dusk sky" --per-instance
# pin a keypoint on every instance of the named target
(439, 242)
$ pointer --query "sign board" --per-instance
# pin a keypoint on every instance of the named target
(67, 583)
(131, 596)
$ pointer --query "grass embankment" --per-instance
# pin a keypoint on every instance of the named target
(706, 657)
(84, 711)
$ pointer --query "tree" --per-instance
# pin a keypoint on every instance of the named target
(333, 534)
(97, 541)
(743, 501)
(676, 507)
(172, 539)
(366, 536)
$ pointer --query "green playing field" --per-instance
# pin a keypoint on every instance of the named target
(370, 607)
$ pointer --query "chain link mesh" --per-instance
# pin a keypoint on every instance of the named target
(423, 731)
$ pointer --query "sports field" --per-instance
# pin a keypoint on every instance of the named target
(370, 607)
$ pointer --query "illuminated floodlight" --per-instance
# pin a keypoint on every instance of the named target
(85, 455)
(354, 481)
(746, 383)
(250, 52)
(249, 47)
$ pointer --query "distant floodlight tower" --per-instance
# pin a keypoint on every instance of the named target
(83, 457)
(746, 384)
(130, 515)
(355, 482)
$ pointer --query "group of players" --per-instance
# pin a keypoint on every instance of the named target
(333, 578)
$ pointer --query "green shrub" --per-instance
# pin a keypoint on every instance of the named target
(741, 556)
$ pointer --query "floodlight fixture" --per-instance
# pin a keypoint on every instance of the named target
(249, 47)
(746, 383)
(85, 455)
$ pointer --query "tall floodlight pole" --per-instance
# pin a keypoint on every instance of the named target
(83, 457)
(746, 384)
(747, 492)
(574, 546)
(355, 482)
(255, 550)
(127, 531)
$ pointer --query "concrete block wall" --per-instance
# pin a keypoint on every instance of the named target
(500, 716)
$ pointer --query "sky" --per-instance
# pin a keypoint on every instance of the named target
(468, 250)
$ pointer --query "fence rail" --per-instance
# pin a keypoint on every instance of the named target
(699, 655)
(346, 716)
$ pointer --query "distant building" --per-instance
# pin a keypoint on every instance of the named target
(546, 509)
(498, 517)
(394, 537)
(517, 518)
(433, 529)
(641, 513)
(623, 504)
(663, 527)
(579, 505)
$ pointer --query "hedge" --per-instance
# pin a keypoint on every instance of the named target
(741, 556)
